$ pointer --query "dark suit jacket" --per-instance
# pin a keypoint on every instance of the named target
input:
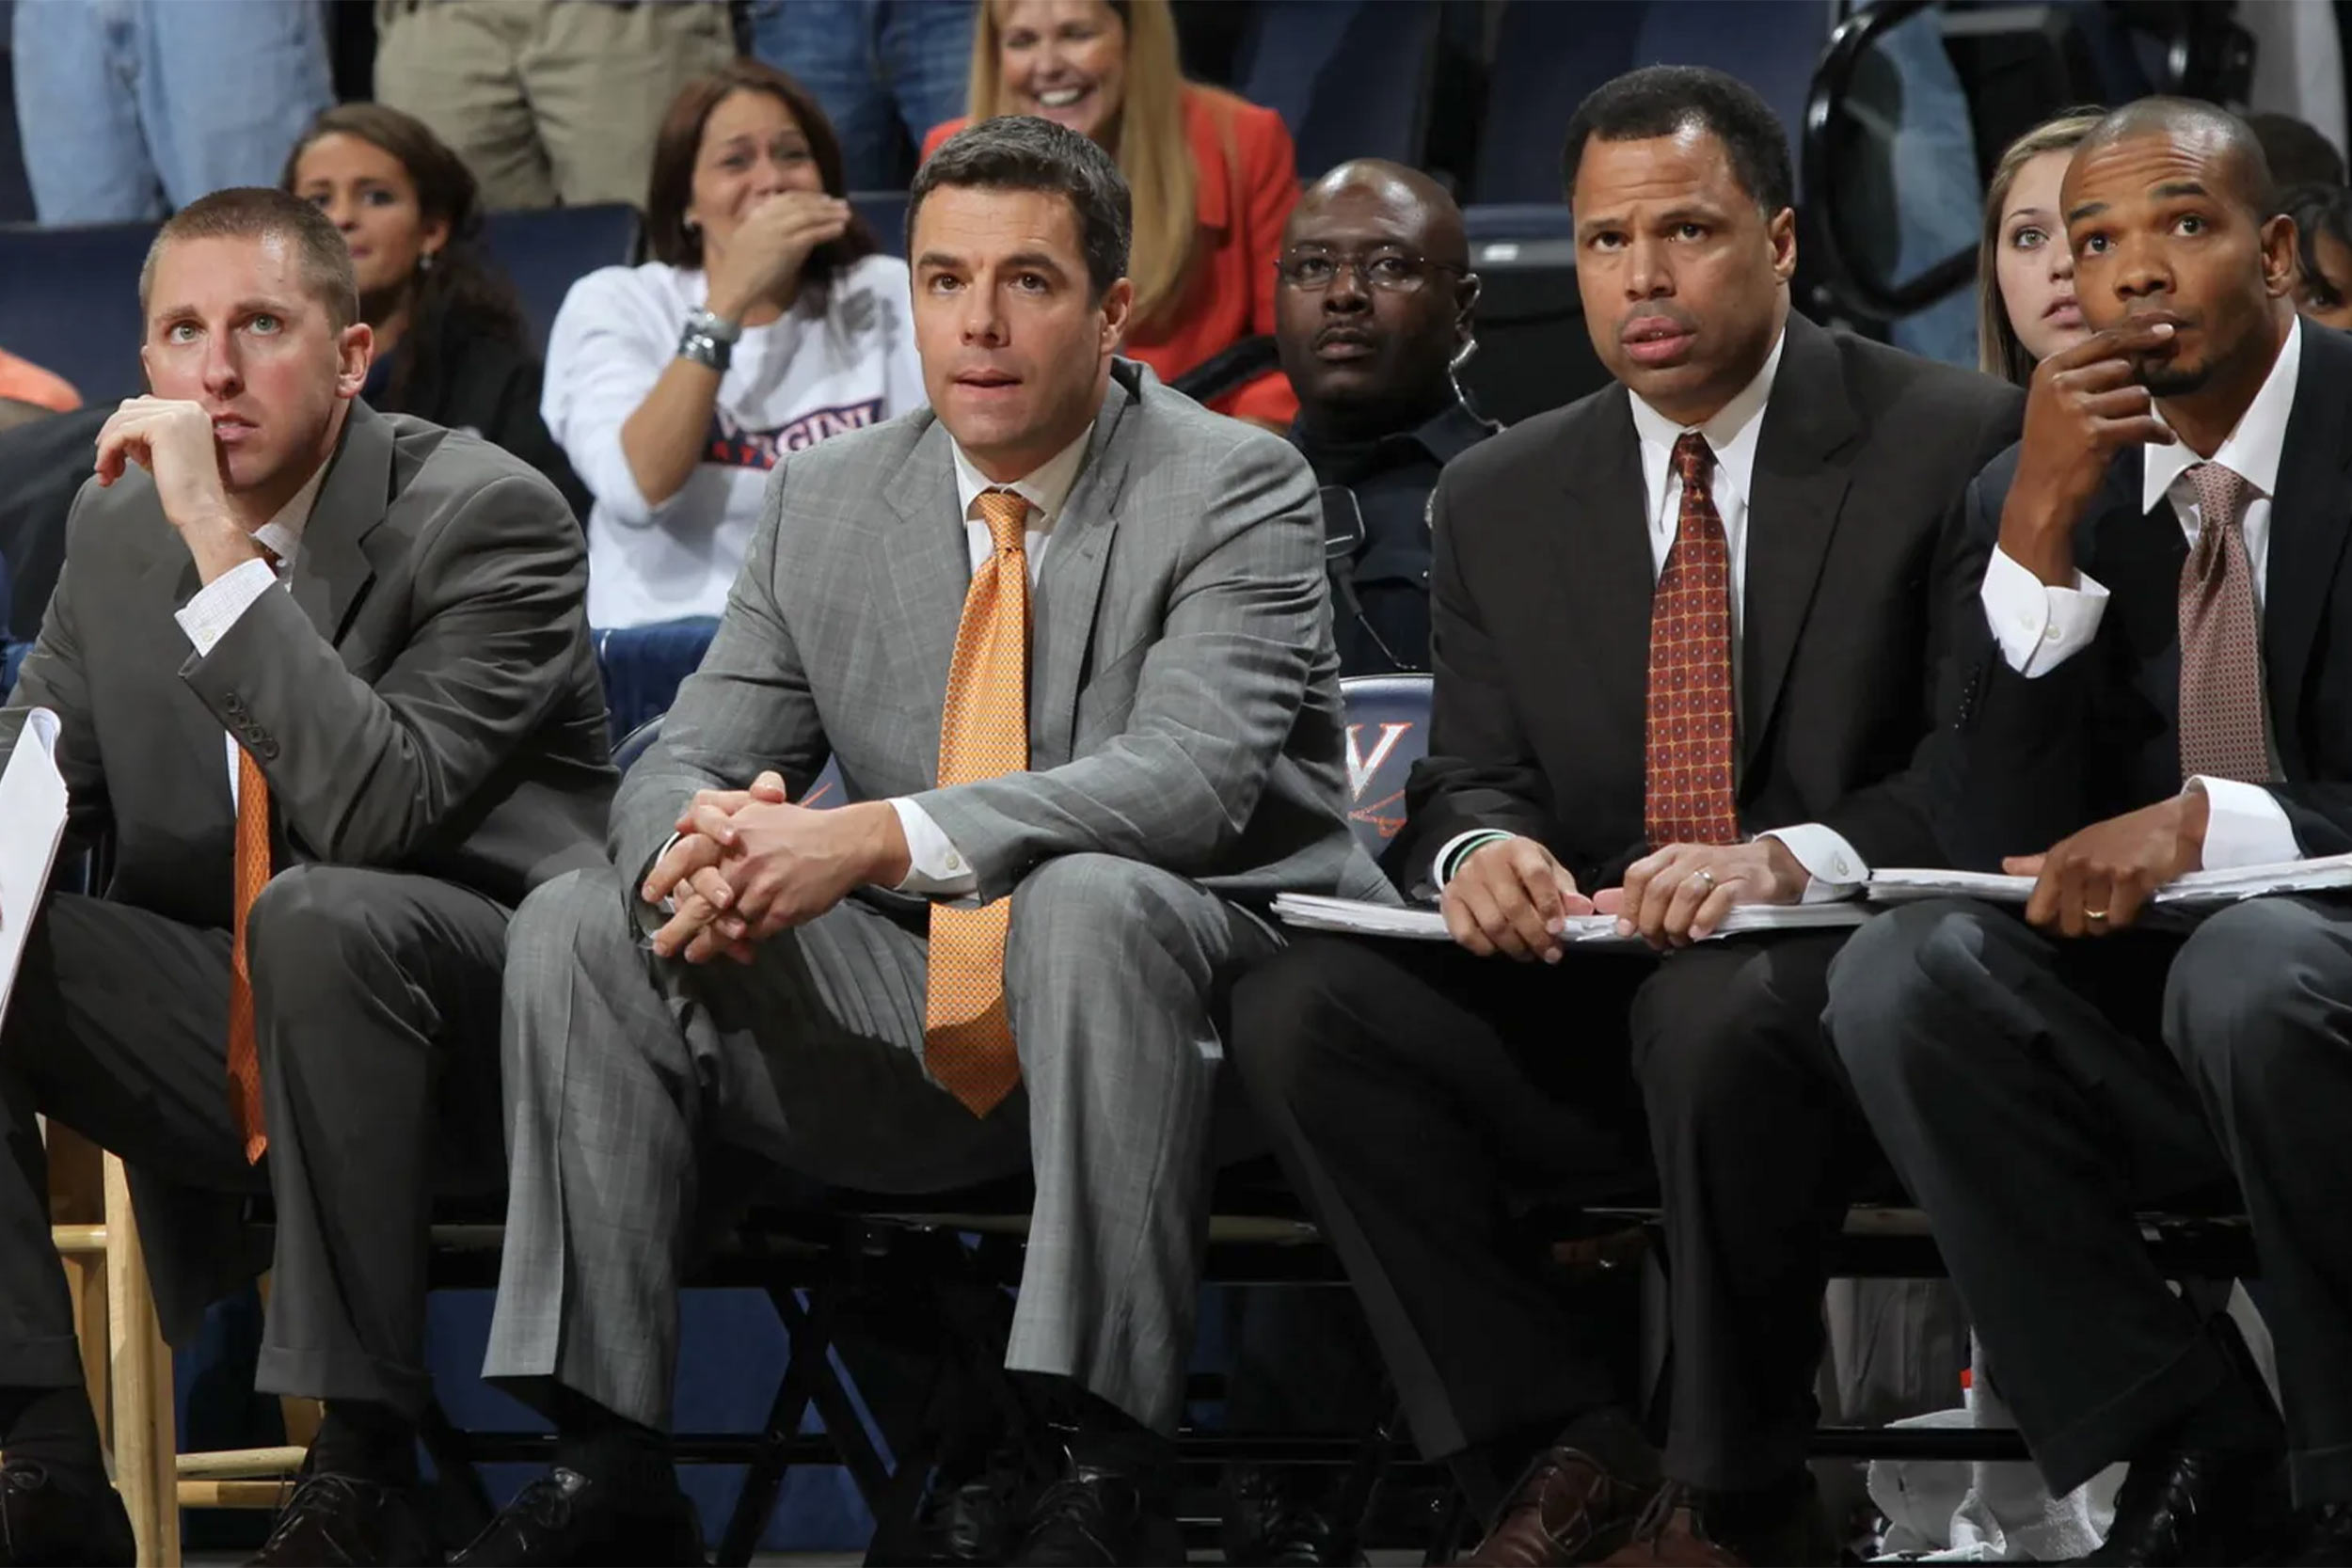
(2036, 760)
(1542, 582)
(425, 698)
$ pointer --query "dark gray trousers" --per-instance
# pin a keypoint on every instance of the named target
(2023, 1089)
(375, 999)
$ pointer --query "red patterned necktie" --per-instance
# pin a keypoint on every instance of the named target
(2222, 721)
(1688, 798)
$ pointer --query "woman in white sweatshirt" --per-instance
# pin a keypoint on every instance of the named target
(767, 323)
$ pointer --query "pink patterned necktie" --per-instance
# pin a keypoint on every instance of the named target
(1687, 789)
(2222, 722)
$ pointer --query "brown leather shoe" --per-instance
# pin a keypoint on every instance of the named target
(1686, 1528)
(1569, 1508)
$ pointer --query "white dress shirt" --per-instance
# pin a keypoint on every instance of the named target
(215, 606)
(2040, 628)
(1834, 867)
(937, 869)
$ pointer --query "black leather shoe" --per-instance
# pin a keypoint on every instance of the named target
(44, 1520)
(566, 1519)
(1112, 1505)
(1275, 1516)
(2318, 1537)
(975, 1521)
(2190, 1507)
(335, 1521)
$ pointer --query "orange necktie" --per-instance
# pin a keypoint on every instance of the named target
(983, 732)
(245, 1057)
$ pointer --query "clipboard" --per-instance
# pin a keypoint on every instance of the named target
(32, 826)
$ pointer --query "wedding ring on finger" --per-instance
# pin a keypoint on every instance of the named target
(2095, 916)
(1704, 878)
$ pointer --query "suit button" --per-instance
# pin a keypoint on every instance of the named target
(269, 750)
(235, 703)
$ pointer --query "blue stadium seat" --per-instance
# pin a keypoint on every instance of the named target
(70, 303)
(1388, 731)
(885, 214)
(1547, 56)
(1349, 77)
(642, 666)
(545, 252)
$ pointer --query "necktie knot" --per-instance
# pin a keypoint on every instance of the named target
(1004, 513)
(1694, 461)
(2220, 496)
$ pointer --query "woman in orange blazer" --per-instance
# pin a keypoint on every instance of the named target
(1213, 177)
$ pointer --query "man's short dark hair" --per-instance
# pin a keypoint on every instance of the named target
(1666, 100)
(265, 212)
(1020, 152)
(2187, 118)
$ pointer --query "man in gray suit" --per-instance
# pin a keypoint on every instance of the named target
(296, 635)
(1173, 759)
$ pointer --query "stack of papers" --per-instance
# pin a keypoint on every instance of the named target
(1311, 913)
(32, 825)
(2324, 874)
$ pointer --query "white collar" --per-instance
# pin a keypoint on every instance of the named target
(282, 535)
(1731, 435)
(2252, 450)
(1045, 487)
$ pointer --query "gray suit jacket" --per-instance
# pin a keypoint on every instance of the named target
(1183, 707)
(424, 699)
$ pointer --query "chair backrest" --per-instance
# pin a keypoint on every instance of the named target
(1534, 350)
(545, 252)
(1547, 56)
(1388, 731)
(885, 213)
(1349, 77)
(70, 303)
(643, 667)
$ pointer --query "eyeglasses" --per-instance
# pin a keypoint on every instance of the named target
(1396, 272)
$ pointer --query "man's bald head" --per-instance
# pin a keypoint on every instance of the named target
(2227, 142)
(1375, 297)
(1396, 188)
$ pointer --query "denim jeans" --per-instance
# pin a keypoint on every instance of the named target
(875, 65)
(130, 108)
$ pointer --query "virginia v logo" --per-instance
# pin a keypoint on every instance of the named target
(1361, 767)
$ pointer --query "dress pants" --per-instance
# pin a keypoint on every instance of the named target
(376, 997)
(627, 1074)
(2023, 1088)
(1420, 1096)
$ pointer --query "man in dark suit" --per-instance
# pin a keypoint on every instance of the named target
(1686, 632)
(2160, 678)
(1373, 313)
(324, 685)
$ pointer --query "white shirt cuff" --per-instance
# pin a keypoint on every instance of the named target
(1456, 850)
(207, 617)
(936, 868)
(1836, 870)
(2245, 825)
(2038, 626)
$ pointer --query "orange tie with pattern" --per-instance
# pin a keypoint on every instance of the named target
(983, 733)
(1690, 749)
(252, 874)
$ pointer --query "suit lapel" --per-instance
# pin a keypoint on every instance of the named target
(2308, 519)
(333, 568)
(926, 573)
(1062, 624)
(1601, 561)
(1802, 472)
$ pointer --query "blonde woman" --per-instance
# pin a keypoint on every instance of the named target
(1213, 177)
(2026, 308)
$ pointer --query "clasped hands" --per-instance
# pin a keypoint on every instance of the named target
(1512, 897)
(749, 863)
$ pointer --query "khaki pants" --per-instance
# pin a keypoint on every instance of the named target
(547, 100)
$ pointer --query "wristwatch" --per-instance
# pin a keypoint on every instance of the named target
(708, 340)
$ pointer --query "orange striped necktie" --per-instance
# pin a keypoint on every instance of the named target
(252, 874)
(983, 733)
